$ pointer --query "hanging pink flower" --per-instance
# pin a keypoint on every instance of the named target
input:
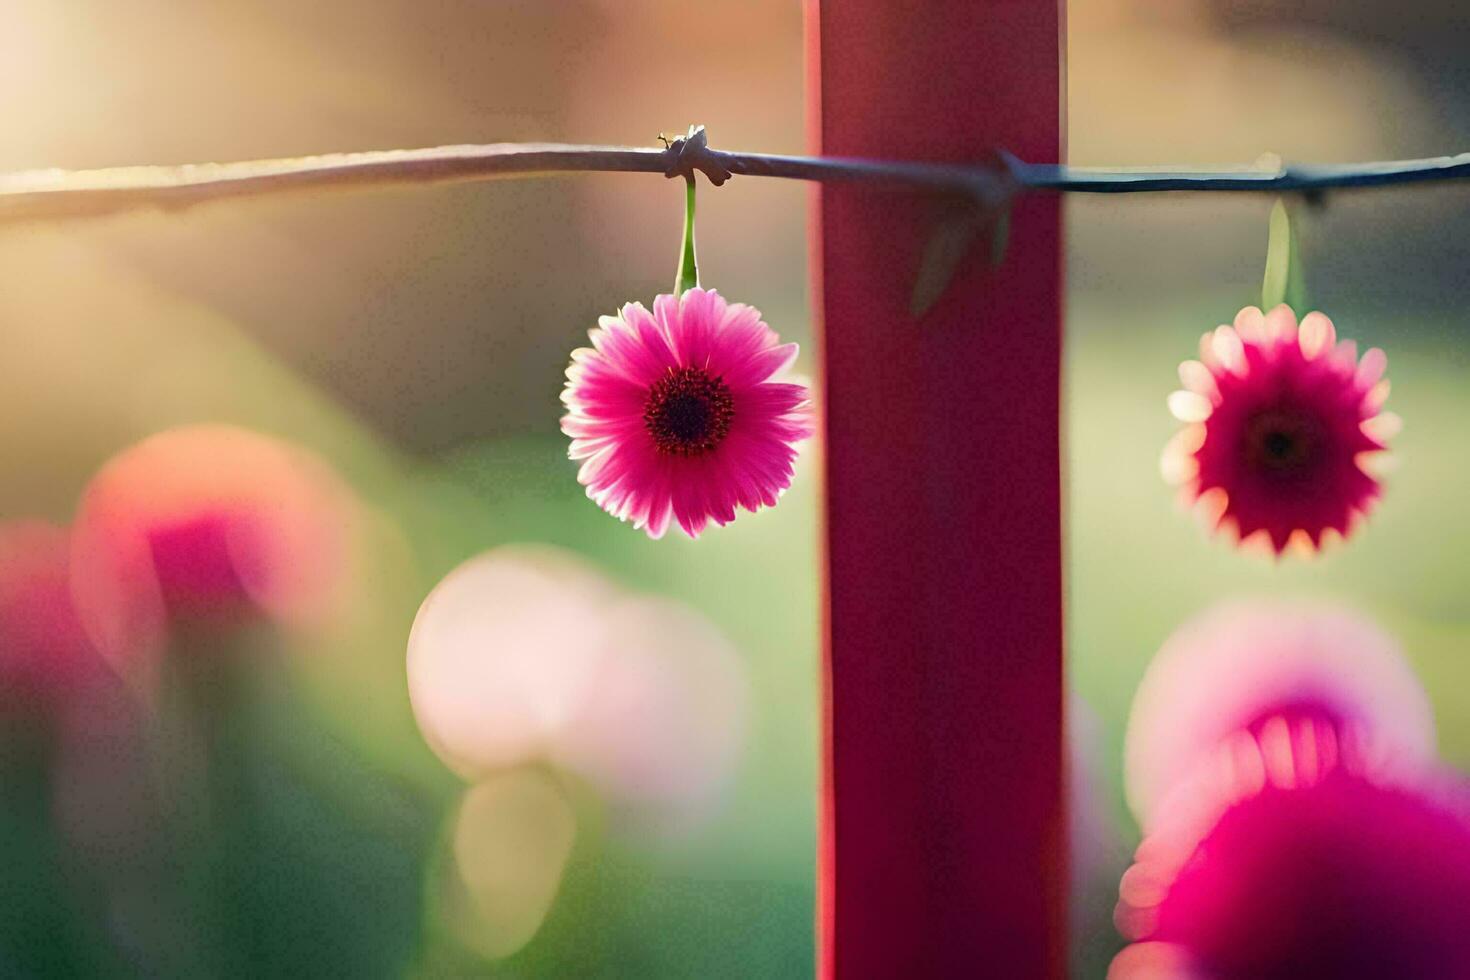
(1279, 423)
(209, 525)
(676, 416)
(1308, 870)
(1238, 663)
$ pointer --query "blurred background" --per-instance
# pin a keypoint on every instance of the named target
(403, 350)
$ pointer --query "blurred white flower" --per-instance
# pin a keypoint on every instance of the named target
(662, 732)
(501, 656)
(528, 654)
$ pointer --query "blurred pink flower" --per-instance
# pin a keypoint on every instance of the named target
(44, 652)
(1317, 872)
(1278, 425)
(675, 414)
(207, 524)
(1235, 665)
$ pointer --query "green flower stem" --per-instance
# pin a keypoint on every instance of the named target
(1284, 281)
(688, 275)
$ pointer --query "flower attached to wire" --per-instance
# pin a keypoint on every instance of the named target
(677, 416)
(1281, 425)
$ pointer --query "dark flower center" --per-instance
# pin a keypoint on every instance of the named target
(1282, 442)
(688, 412)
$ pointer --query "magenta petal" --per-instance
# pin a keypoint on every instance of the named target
(1343, 878)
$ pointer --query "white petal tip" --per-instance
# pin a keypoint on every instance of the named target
(1316, 335)
(1382, 428)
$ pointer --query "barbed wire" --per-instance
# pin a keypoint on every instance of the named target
(59, 194)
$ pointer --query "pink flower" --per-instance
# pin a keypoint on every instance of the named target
(44, 652)
(1280, 761)
(1324, 874)
(209, 525)
(1225, 671)
(1279, 425)
(675, 414)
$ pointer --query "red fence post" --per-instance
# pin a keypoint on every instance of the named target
(942, 840)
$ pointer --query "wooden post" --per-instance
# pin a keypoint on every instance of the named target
(942, 839)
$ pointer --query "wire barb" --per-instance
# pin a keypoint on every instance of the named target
(691, 152)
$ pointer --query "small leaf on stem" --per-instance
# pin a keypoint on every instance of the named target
(951, 241)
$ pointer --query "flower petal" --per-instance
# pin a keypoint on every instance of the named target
(1382, 428)
(1199, 379)
(1371, 368)
(1316, 336)
(1188, 406)
(1228, 349)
